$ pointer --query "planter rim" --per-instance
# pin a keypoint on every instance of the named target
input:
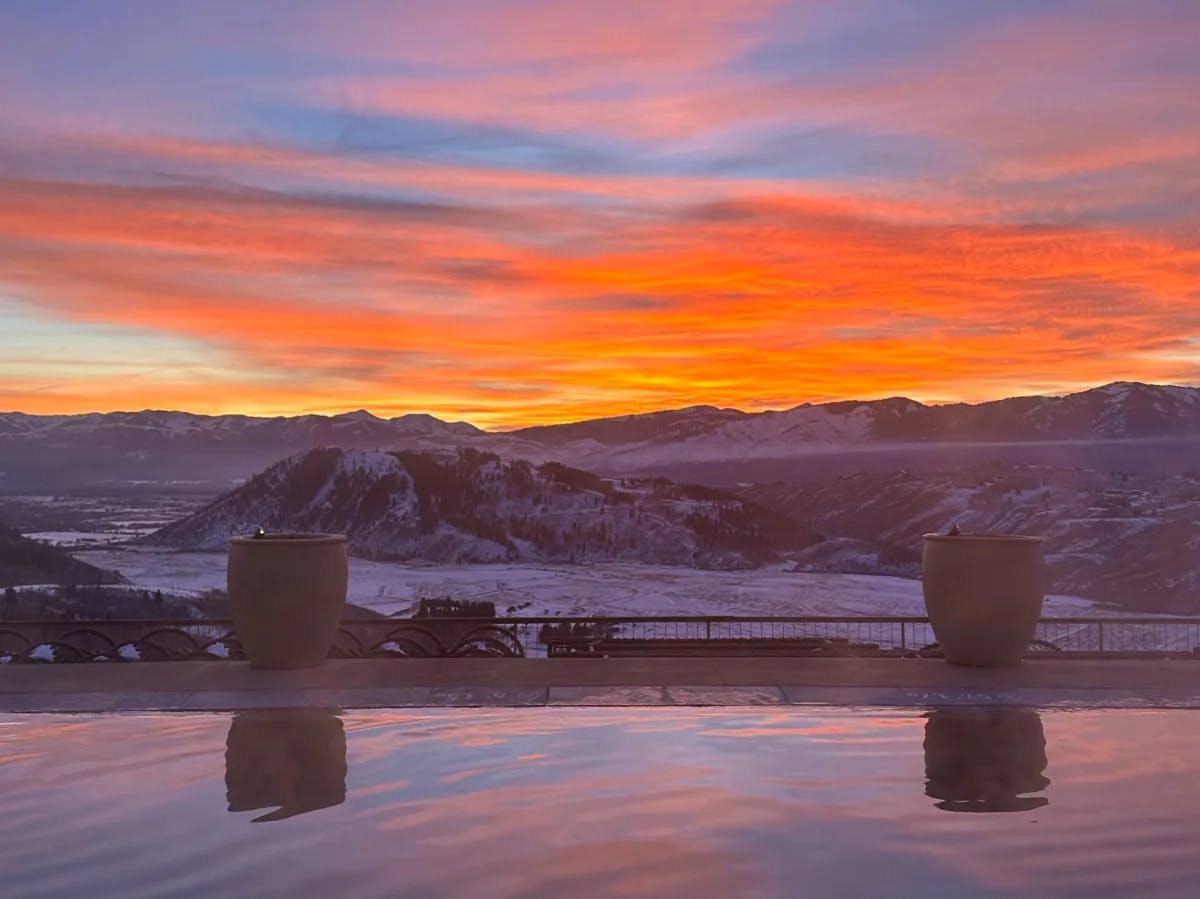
(288, 540)
(982, 538)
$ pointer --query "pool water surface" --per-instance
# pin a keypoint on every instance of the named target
(602, 802)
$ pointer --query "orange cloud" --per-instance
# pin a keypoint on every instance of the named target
(535, 313)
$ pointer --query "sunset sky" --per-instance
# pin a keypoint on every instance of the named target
(527, 212)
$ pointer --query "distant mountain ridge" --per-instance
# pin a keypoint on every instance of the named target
(358, 424)
(470, 506)
(159, 445)
(1119, 410)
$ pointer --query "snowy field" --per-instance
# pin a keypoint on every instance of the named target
(599, 589)
(93, 521)
(72, 540)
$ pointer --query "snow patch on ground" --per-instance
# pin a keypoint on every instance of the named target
(395, 588)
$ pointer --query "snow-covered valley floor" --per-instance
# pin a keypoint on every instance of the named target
(598, 589)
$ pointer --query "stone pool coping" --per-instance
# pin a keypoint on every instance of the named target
(481, 683)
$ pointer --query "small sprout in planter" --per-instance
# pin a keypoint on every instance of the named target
(259, 533)
(953, 532)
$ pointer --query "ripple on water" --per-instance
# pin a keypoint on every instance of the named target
(638, 802)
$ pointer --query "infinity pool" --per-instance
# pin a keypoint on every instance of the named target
(602, 802)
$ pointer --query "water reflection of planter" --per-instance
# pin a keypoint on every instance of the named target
(293, 760)
(983, 593)
(287, 593)
(984, 760)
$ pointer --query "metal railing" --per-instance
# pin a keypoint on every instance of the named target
(539, 637)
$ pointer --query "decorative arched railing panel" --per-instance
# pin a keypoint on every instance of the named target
(407, 642)
(489, 641)
(121, 641)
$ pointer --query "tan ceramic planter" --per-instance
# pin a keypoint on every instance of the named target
(984, 594)
(287, 592)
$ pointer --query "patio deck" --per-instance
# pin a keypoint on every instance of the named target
(482, 682)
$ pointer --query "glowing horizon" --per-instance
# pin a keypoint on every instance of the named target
(539, 212)
(503, 426)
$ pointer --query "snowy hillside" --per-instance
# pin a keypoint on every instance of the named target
(474, 507)
(1133, 540)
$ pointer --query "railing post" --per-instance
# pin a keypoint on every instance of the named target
(1101, 636)
(708, 629)
(903, 635)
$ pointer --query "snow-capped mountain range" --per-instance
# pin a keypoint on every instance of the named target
(163, 446)
(470, 506)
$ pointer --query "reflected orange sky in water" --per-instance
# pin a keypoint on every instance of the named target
(597, 801)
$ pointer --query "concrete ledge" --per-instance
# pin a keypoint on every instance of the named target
(222, 686)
